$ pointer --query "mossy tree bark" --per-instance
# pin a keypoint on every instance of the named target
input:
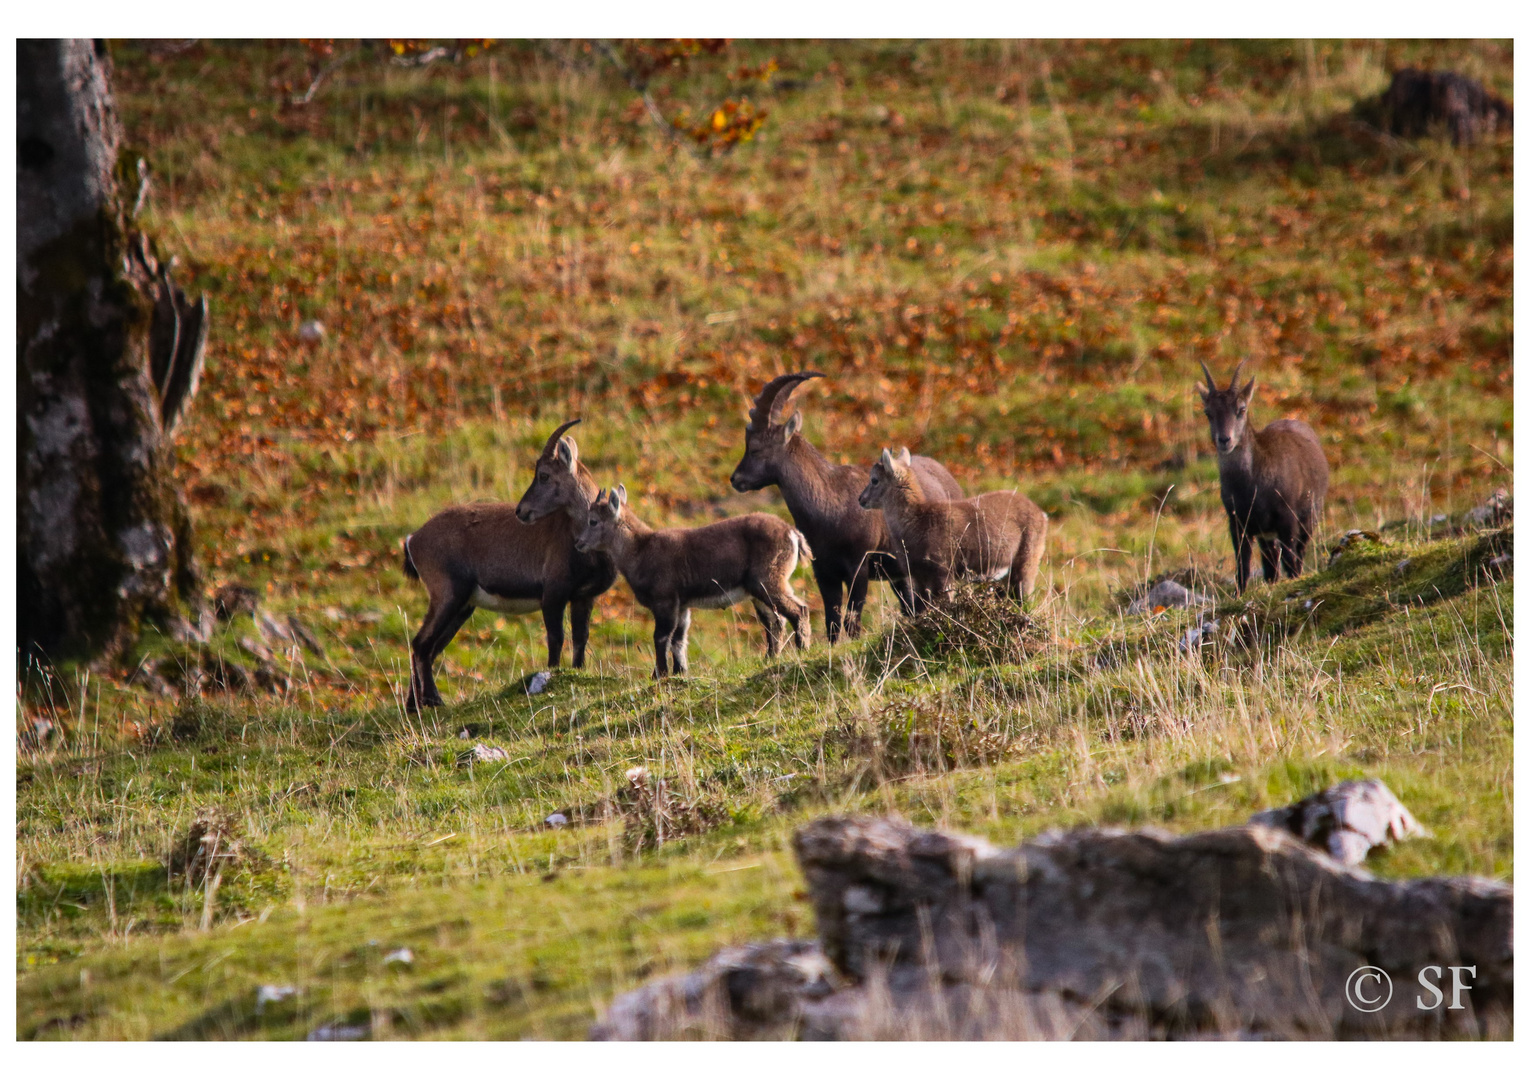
(109, 354)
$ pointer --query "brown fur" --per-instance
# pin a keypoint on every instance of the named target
(999, 535)
(1272, 482)
(466, 553)
(852, 546)
(673, 570)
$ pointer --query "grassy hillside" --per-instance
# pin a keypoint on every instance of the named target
(1008, 256)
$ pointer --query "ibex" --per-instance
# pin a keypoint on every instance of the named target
(489, 555)
(998, 536)
(714, 566)
(852, 546)
(1272, 482)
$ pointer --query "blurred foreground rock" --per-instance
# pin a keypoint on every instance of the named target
(1243, 932)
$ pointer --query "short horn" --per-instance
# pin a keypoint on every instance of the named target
(776, 392)
(1209, 380)
(1236, 374)
(551, 444)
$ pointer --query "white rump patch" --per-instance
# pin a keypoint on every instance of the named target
(723, 600)
(503, 604)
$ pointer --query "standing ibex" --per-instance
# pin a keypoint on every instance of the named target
(1272, 482)
(487, 555)
(714, 566)
(993, 537)
(851, 546)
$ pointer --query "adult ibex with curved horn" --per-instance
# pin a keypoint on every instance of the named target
(850, 545)
(510, 559)
(1272, 482)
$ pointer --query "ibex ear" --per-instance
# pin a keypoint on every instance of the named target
(886, 460)
(1244, 394)
(1204, 393)
(793, 426)
(905, 459)
(567, 451)
(618, 497)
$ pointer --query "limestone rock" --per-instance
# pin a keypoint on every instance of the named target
(1096, 933)
(1346, 820)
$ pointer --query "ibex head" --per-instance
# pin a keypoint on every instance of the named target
(884, 475)
(1226, 409)
(602, 522)
(555, 485)
(766, 437)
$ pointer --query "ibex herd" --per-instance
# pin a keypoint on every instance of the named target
(904, 520)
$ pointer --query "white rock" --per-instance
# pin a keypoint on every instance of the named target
(339, 1033)
(539, 682)
(481, 753)
(268, 994)
(556, 821)
(311, 332)
(1167, 594)
(404, 955)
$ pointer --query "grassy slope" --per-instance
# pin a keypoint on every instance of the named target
(1007, 257)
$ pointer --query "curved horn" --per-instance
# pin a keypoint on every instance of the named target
(1208, 378)
(1236, 374)
(551, 443)
(776, 392)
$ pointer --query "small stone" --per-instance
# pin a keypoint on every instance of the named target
(556, 821)
(1196, 636)
(267, 995)
(339, 1033)
(311, 332)
(1167, 594)
(234, 599)
(482, 754)
(538, 683)
(404, 955)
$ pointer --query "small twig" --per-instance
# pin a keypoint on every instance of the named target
(323, 73)
(143, 186)
(639, 84)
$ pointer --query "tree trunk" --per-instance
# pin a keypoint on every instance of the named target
(109, 353)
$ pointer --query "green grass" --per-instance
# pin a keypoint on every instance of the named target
(1021, 291)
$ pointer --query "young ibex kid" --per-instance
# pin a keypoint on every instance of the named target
(998, 536)
(1272, 482)
(672, 571)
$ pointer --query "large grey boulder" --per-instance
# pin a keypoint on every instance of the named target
(1245, 932)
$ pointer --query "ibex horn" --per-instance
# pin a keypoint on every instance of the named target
(1209, 380)
(1236, 374)
(776, 392)
(551, 444)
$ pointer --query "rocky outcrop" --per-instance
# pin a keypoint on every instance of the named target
(1346, 820)
(1244, 932)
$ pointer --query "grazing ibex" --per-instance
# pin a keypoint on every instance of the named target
(998, 536)
(851, 546)
(1272, 482)
(488, 555)
(713, 566)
